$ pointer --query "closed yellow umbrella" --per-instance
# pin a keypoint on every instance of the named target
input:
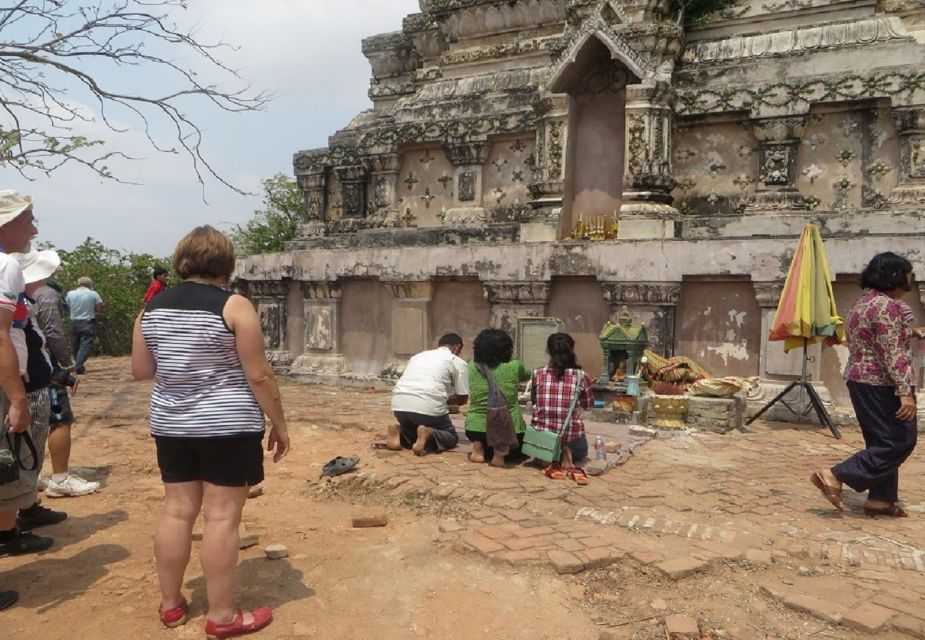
(807, 312)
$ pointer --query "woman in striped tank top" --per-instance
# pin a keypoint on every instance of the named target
(203, 347)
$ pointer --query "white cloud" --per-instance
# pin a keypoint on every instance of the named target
(307, 52)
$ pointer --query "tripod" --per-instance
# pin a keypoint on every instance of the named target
(814, 400)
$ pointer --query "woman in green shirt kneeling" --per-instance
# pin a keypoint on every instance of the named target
(494, 349)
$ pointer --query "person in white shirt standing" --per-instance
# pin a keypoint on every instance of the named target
(84, 304)
(422, 396)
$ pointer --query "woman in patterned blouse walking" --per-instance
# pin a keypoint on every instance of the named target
(880, 379)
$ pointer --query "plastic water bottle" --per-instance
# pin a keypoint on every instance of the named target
(599, 452)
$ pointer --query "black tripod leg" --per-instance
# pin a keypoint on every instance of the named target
(824, 417)
(768, 405)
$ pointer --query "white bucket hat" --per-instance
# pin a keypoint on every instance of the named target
(38, 265)
(12, 204)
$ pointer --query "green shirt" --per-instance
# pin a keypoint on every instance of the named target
(508, 375)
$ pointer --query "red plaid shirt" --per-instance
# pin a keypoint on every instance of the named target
(552, 397)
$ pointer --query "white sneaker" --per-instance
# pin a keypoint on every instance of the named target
(71, 486)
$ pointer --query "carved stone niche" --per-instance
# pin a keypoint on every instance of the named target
(910, 124)
(322, 354)
(384, 212)
(269, 298)
(468, 159)
(651, 303)
(515, 299)
(778, 139)
(353, 179)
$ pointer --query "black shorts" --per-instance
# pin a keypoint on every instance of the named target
(226, 462)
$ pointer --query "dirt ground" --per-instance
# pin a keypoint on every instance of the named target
(435, 571)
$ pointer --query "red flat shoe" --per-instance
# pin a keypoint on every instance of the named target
(237, 627)
(174, 617)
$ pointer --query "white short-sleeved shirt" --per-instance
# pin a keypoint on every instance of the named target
(430, 378)
(13, 299)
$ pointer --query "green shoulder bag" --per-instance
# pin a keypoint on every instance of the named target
(547, 445)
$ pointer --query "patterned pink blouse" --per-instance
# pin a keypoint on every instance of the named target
(878, 343)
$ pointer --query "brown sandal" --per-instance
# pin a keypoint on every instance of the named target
(893, 510)
(832, 494)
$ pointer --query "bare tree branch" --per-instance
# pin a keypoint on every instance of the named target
(55, 55)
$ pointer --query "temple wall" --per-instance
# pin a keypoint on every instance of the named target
(366, 331)
(719, 326)
(507, 172)
(425, 185)
(580, 305)
(459, 306)
(596, 153)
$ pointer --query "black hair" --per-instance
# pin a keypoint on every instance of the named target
(492, 347)
(561, 350)
(886, 272)
(159, 271)
(448, 339)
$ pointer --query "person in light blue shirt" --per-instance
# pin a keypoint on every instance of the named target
(84, 304)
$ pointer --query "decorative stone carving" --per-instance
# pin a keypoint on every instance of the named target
(796, 41)
(353, 189)
(269, 299)
(768, 293)
(466, 186)
(466, 217)
(910, 191)
(634, 293)
(778, 139)
(516, 292)
(462, 154)
(411, 290)
(320, 290)
(321, 336)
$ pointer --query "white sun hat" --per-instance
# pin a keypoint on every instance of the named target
(38, 265)
(12, 204)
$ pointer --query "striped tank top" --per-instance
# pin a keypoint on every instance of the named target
(200, 390)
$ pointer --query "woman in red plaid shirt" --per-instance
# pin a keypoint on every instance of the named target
(551, 391)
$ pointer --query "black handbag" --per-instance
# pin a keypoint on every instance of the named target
(10, 458)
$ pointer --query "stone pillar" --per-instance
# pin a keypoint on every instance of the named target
(468, 159)
(651, 303)
(646, 211)
(512, 300)
(778, 140)
(410, 319)
(270, 298)
(384, 202)
(910, 192)
(314, 184)
(548, 187)
(322, 353)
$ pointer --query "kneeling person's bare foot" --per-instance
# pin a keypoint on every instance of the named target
(478, 453)
(497, 460)
(393, 441)
(424, 434)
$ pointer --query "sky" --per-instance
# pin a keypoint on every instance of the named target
(306, 52)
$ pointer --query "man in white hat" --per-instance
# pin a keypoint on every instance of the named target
(17, 227)
(38, 267)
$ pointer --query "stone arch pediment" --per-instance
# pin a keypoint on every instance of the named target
(620, 50)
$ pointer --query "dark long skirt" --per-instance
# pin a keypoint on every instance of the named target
(889, 442)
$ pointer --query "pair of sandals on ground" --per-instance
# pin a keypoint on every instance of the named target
(556, 471)
(872, 508)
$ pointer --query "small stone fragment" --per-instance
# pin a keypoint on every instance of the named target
(248, 539)
(276, 551)
(374, 518)
(611, 447)
(682, 627)
(577, 591)
(659, 604)
(197, 536)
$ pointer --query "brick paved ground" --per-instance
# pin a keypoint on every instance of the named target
(682, 506)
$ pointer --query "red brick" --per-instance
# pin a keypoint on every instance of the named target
(519, 544)
(594, 558)
(494, 533)
(913, 609)
(817, 607)
(526, 556)
(682, 627)
(483, 544)
(678, 568)
(646, 556)
(534, 531)
(909, 625)
(570, 545)
(593, 543)
(564, 562)
(868, 617)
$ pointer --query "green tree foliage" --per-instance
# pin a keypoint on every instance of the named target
(272, 227)
(120, 278)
